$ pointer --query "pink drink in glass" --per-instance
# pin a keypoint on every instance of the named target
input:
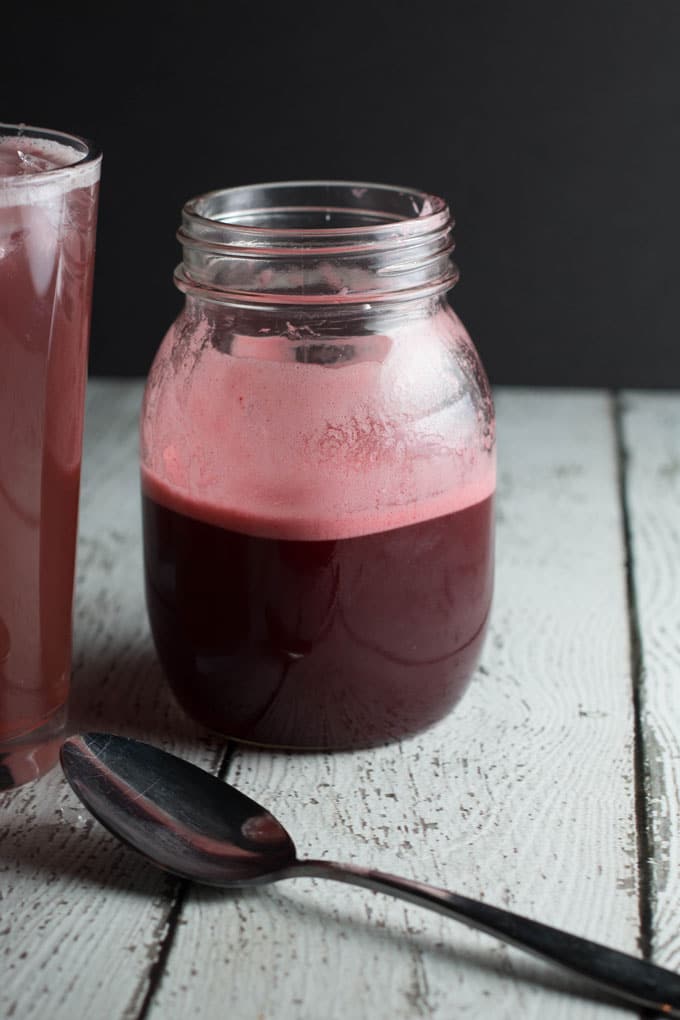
(48, 204)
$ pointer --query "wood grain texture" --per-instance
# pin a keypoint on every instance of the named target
(651, 432)
(524, 795)
(82, 918)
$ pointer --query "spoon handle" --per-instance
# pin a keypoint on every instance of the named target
(620, 974)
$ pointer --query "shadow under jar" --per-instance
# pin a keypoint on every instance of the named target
(318, 469)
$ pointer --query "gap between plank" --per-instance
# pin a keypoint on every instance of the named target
(640, 759)
(176, 906)
(645, 846)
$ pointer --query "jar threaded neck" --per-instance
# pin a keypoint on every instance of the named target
(316, 242)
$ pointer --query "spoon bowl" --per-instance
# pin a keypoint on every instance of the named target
(177, 815)
(199, 828)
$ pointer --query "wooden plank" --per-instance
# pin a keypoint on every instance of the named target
(523, 796)
(651, 430)
(81, 918)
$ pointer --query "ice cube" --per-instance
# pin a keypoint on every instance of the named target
(29, 163)
(10, 242)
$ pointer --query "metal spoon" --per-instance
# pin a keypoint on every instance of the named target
(197, 827)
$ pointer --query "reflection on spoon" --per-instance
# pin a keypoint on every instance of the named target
(189, 823)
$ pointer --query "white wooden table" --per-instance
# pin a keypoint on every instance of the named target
(553, 788)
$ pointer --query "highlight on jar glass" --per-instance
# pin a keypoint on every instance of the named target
(48, 205)
(318, 469)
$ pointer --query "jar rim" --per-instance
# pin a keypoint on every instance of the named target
(414, 212)
(315, 242)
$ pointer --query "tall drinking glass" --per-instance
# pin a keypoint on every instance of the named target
(48, 205)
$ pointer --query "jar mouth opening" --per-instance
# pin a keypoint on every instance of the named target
(316, 213)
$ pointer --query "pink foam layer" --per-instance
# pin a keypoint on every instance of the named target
(262, 443)
(301, 528)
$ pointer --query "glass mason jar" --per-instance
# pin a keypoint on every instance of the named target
(318, 468)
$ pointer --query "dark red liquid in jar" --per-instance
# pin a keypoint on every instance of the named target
(324, 643)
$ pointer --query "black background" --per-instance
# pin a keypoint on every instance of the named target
(553, 130)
